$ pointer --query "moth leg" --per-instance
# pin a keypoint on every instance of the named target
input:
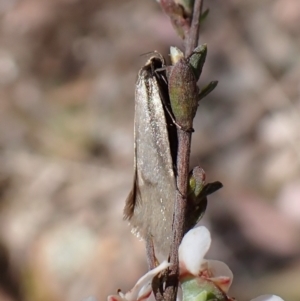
(191, 130)
(151, 258)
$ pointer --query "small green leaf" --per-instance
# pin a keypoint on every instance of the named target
(201, 297)
(204, 15)
(207, 89)
(200, 289)
(197, 59)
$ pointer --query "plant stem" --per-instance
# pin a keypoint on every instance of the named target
(191, 41)
(183, 157)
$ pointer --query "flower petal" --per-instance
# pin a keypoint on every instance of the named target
(192, 249)
(268, 298)
(179, 294)
(115, 298)
(219, 268)
(223, 283)
(142, 287)
(145, 292)
(219, 273)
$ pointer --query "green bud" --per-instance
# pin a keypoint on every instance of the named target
(183, 90)
(198, 191)
(175, 54)
(196, 182)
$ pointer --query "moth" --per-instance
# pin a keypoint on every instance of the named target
(150, 204)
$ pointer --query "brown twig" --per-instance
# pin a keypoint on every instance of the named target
(183, 157)
(191, 41)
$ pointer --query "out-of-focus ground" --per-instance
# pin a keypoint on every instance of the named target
(67, 77)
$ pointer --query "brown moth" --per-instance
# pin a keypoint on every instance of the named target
(150, 204)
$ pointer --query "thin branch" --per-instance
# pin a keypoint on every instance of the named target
(191, 41)
(183, 158)
(189, 31)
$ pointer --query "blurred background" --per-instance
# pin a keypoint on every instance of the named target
(67, 76)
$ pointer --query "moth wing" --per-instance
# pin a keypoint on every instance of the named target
(154, 187)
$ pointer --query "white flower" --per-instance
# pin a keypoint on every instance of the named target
(267, 298)
(199, 278)
(197, 275)
(192, 250)
(142, 289)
